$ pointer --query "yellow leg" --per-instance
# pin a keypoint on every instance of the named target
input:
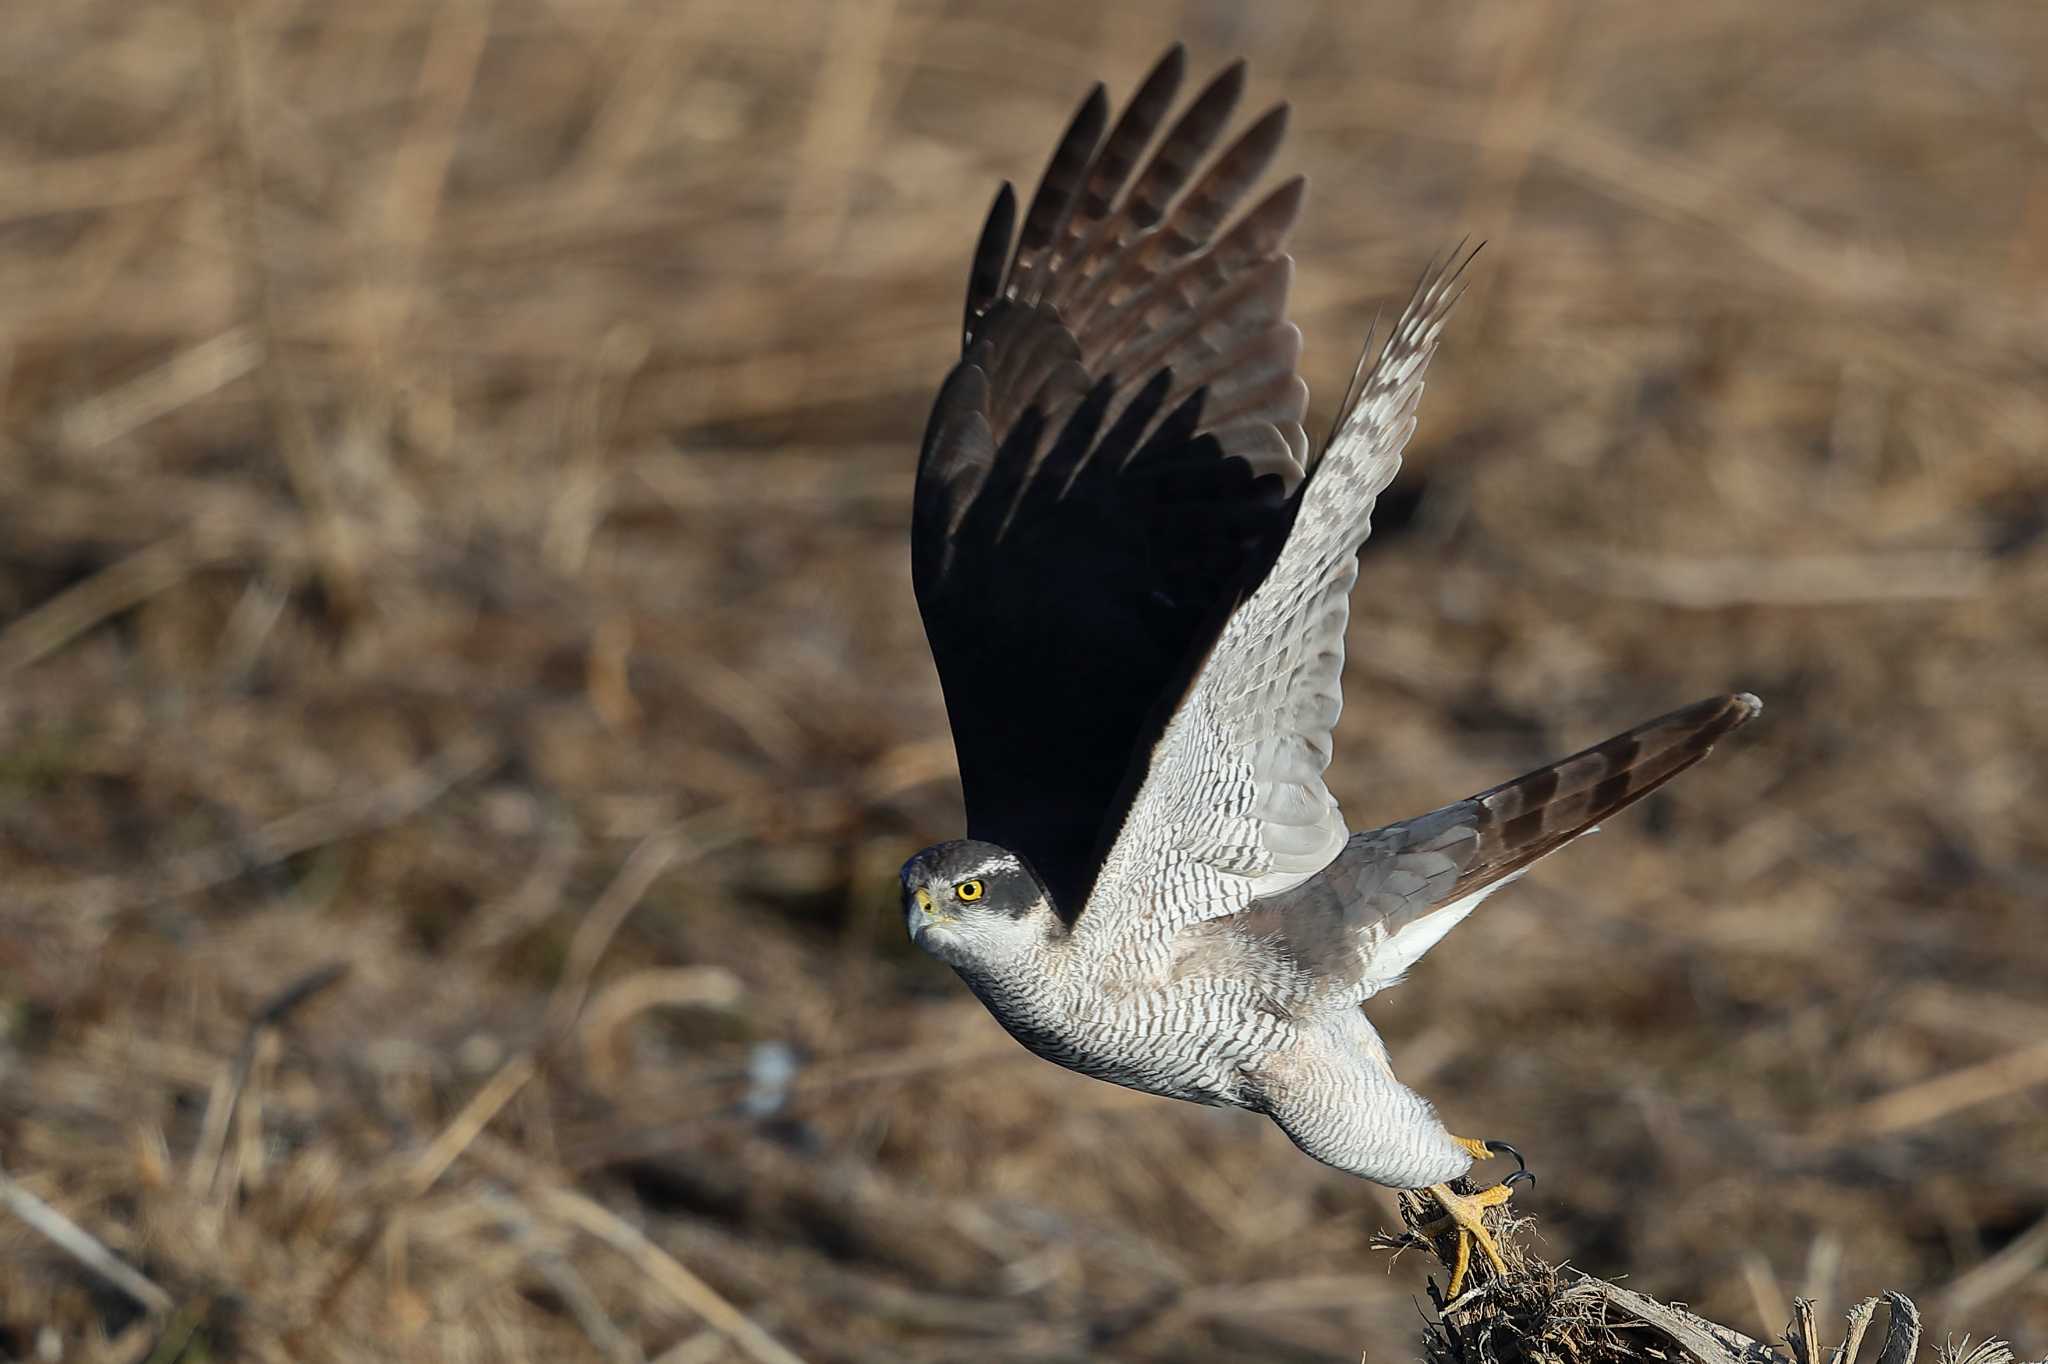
(1463, 1212)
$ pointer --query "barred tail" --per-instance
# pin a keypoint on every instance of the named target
(1524, 820)
(1393, 893)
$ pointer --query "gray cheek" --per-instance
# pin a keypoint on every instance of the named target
(1018, 902)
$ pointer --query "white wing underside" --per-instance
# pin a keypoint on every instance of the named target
(1233, 806)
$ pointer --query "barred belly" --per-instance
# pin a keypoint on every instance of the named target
(1183, 1044)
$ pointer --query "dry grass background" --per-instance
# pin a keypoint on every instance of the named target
(452, 514)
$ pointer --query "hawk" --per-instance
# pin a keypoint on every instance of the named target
(1134, 575)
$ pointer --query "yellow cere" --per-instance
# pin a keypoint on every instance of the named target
(970, 891)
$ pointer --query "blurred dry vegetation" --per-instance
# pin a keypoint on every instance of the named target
(453, 465)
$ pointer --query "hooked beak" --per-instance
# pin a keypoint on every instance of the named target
(928, 912)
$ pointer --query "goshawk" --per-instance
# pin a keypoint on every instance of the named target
(1134, 575)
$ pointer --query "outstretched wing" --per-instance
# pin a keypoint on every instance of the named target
(1111, 460)
(1393, 893)
(1234, 806)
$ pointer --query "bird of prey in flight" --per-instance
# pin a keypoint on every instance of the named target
(1134, 574)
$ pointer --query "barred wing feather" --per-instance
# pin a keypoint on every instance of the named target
(1233, 806)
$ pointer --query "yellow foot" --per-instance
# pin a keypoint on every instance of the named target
(1463, 1212)
(1479, 1149)
(1487, 1150)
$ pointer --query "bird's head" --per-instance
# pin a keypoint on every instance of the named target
(971, 903)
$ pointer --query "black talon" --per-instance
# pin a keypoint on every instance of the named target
(1519, 1177)
(1501, 1148)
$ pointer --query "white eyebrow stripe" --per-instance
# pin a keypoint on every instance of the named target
(1004, 862)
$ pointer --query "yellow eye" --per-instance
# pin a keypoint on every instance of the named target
(970, 891)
